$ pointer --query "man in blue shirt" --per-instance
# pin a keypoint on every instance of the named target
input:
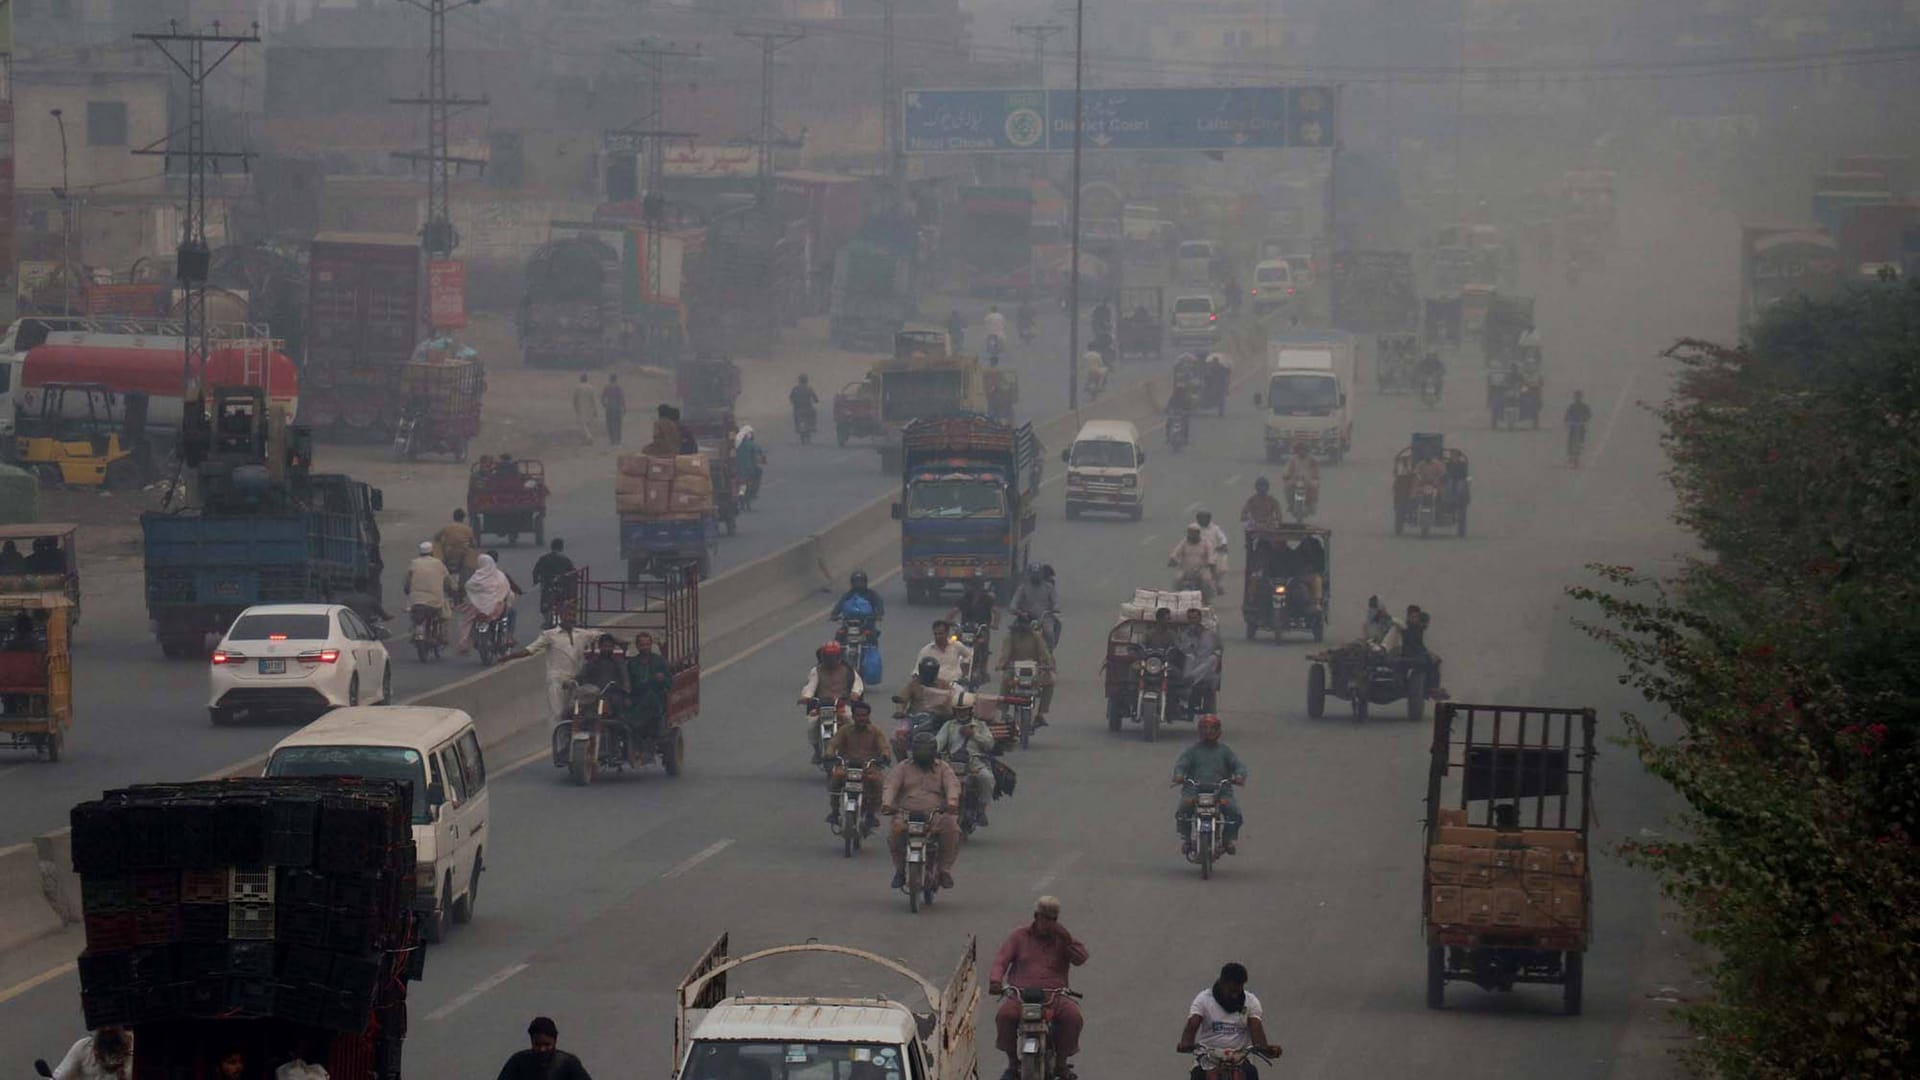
(1207, 762)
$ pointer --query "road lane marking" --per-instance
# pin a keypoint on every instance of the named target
(1231, 480)
(1059, 868)
(516, 766)
(476, 990)
(41, 979)
(1145, 540)
(697, 858)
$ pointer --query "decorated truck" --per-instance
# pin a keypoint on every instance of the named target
(969, 502)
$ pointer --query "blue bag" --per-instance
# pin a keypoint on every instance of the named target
(870, 665)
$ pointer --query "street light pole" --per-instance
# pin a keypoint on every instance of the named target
(64, 194)
(1073, 270)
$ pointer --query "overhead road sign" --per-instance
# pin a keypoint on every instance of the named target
(1161, 118)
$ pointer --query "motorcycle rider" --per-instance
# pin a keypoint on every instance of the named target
(1163, 634)
(976, 606)
(956, 330)
(926, 692)
(1261, 508)
(429, 588)
(1025, 642)
(1226, 1018)
(963, 732)
(831, 679)
(1409, 639)
(1430, 367)
(1303, 470)
(857, 588)
(1036, 595)
(996, 329)
(1096, 377)
(749, 461)
(923, 784)
(1208, 761)
(1213, 534)
(805, 402)
(1023, 317)
(1378, 623)
(858, 743)
(1200, 647)
(649, 680)
(1037, 957)
(1102, 319)
(553, 576)
(1193, 556)
(563, 645)
(457, 545)
(1578, 414)
(945, 651)
(603, 667)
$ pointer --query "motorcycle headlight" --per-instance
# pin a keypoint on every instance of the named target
(1155, 666)
(1280, 592)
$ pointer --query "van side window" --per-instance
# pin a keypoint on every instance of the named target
(450, 775)
(473, 767)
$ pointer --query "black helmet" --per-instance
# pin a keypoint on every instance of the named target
(923, 746)
(928, 669)
(858, 579)
(1261, 485)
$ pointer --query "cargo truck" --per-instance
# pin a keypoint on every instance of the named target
(872, 296)
(1308, 399)
(571, 314)
(364, 316)
(969, 503)
(717, 1033)
(993, 240)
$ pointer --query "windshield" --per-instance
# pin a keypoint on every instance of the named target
(709, 1060)
(375, 762)
(1193, 305)
(279, 626)
(1273, 275)
(956, 499)
(1303, 394)
(1196, 249)
(1102, 454)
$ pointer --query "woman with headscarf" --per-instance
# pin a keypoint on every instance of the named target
(748, 459)
(488, 594)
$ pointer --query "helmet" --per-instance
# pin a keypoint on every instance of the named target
(830, 651)
(1261, 485)
(1035, 573)
(1209, 724)
(858, 579)
(928, 669)
(922, 746)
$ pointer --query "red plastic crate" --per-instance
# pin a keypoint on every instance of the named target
(110, 931)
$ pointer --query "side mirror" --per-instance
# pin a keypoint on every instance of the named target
(379, 501)
(1343, 401)
(380, 632)
(1142, 460)
(1065, 455)
(898, 511)
(1256, 400)
(436, 795)
(41, 1068)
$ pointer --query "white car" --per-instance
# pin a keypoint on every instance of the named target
(301, 659)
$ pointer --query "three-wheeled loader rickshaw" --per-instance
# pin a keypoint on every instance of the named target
(1365, 674)
(1396, 358)
(1148, 682)
(1288, 583)
(36, 672)
(1432, 487)
(507, 497)
(44, 558)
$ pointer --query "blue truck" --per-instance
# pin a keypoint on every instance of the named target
(654, 547)
(968, 504)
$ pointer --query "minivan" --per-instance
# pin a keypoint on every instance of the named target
(438, 751)
(1103, 469)
(1196, 265)
(1272, 285)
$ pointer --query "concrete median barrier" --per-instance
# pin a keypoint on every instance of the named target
(26, 913)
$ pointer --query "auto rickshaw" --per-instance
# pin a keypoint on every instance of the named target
(1431, 486)
(1278, 592)
(506, 497)
(856, 412)
(41, 558)
(75, 450)
(1364, 674)
(1140, 679)
(36, 672)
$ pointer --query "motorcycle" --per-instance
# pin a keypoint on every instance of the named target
(1034, 1036)
(1024, 686)
(490, 639)
(429, 632)
(1576, 443)
(1207, 835)
(804, 421)
(827, 715)
(1153, 674)
(854, 823)
(1177, 431)
(1225, 1064)
(856, 635)
(1096, 383)
(908, 727)
(972, 814)
(1299, 502)
(1024, 325)
(923, 860)
(555, 594)
(994, 346)
(1430, 391)
(1426, 508)
(593, 736)
(1197, 580)
(403, 437)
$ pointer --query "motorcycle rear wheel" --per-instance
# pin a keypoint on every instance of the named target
(582, 766)
(916, 877)
(1205, 844)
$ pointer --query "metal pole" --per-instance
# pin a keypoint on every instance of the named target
(1073, 271)
(66, 222)
(890, 120)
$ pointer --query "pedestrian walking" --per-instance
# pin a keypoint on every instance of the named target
(614, 401)
(585, 405)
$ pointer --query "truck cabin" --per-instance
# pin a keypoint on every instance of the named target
(1303, 393)
(768, 1039)
(921, 344)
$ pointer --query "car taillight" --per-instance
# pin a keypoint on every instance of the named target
(324, 656)
(1211, 318)
(220, 657)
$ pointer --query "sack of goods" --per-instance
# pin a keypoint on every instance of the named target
(646, 485)
(215, 911)
(1147, 602)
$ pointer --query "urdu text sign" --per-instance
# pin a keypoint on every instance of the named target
(1179, 118)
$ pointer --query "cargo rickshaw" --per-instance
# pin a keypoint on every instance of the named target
(1396, 359)
(508, 496)
(603, 730)
(1365, 673)
(708, 386)
(1144, 680)
(42, 558)
(856, 412)
(1431, 487)
(1288, 582)
(36, 672)
(440, 390)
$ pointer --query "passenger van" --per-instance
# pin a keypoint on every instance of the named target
(1103, 469)
(438, 751)
(1197, 262)
(1273, 285)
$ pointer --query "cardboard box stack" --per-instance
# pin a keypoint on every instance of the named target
(1513, 879)
(663, 487)
(225, 913)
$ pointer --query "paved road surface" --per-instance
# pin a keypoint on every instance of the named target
(597, 899)
(144, 718)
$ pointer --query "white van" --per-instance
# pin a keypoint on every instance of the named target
(1103, 469)
(1196, 264)
(439, 752)
(1307, 397)
(1273, 285)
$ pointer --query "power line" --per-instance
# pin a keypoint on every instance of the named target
(437, 236)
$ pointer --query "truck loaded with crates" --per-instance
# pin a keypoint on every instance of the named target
(364, 317)
(271, 916)
(669, 516)
(969, 503)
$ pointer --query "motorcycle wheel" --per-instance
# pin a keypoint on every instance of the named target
(916, 875)
(1205, 844)
(1426, 524)
(581, 767)
(1026, 727)
(1360, 703)
(1151, 721)
(850, 836)
(1316, 691)
(424, 648)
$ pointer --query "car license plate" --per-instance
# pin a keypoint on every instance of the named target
(273, 667)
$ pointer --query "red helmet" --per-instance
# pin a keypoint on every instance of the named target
(830, 651)
(1209, 722)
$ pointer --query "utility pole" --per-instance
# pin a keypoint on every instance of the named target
(1073, 271)
(652, 139)
(771, 41)
(890, 120)
(437, 236)
(192, 260)
(1039, 32)
(65, 194)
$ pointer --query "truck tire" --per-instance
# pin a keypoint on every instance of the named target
(1436, 976)
(1462, 523)
(841, 434)
(540, 530)
(1416, 696)
(1574, 965)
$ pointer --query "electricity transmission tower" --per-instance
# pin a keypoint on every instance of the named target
(771, 41)
(438, 236)
(650, 137)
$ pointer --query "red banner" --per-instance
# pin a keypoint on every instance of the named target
(447, 294)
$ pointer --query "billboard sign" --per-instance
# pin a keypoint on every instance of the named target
(447, 294)
(1161, 118)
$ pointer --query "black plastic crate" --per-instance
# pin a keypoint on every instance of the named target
(203, 922)
(363, 893)
(203, 998)
(156, 925)
(104, 1008)
(201, 960)
(101, 894)
(146, 836)
(346, 1011)
(150, 965)
(351, 932)
(305, 964)
(251, 997)
(106, 970)
(152, 1004)
(358, 972)
(250, 959)
(105, 933)
(245, 828)
(298, 886)
(194, 832)
(301, 924)
(154, 888)
(391, 1018)
(293, 822)
(99, 842)
(302, 1002)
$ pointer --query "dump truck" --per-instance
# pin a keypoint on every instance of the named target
(969, 502)
(717, 1033)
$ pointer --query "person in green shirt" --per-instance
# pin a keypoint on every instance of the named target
(1208, 761)
(649, 679)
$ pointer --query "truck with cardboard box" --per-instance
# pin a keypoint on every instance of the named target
(668, 515)
(1508, 890)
